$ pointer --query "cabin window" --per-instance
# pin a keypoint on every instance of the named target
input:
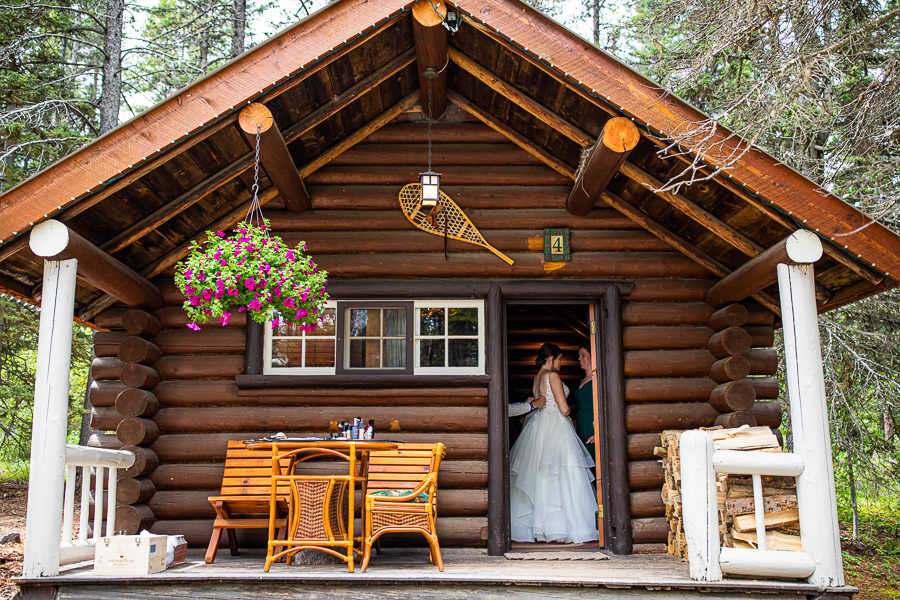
(425, 337)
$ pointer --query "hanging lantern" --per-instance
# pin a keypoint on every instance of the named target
(431, 187)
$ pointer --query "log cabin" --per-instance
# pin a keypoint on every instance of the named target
(536, 134)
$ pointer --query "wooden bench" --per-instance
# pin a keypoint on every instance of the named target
(243, 501)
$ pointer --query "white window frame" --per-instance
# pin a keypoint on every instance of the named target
(268, 369)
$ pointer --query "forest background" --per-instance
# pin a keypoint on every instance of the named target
(816, 83)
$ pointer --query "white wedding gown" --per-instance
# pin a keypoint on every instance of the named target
(552, 496)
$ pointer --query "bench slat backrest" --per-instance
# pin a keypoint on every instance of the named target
(248, 471)
(403, 468)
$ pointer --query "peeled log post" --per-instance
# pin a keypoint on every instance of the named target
(801, 247)
(647, 504)
(140, 322)
(134, 490)
(274, 155)
(135, 402)
(676, 415)
(106, 367)
(644, 474)
(763, 361)
(53, 240)
(662, 389)
(733, 315)
(732, 368)
(616, 141)
(431, 54)
(139, 376)
(736, 419)
(733, 341)
(135, 431)
(145, 462)
(134, 518)
(733, 396)
(138, 350)
(767, 413)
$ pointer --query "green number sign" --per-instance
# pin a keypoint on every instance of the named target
(556, 245)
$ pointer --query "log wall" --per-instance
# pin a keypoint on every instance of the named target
(171, 392)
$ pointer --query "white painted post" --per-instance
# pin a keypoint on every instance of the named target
(809, 423)
(50, 416)
(699, 505)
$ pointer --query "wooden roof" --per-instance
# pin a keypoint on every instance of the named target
(143, 191)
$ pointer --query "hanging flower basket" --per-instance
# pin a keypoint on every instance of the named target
(255, 271)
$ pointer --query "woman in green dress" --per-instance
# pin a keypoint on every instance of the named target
(583, 398)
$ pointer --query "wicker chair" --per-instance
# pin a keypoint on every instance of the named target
(401, 496)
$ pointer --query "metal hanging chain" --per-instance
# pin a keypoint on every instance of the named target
(254, 213)
(428, 119)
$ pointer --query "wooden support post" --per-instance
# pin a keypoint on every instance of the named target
(801, 247)
(809, 422)
(431, 54)
(498, 428)
(50, 417)
(699, 505)
(274, 155)
(616, 141)
(53, 240)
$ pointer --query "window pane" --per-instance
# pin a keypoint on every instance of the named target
(463, 321)
(287, 329)
(326, 323)
(319, 353)
(394, 322)
(365, 322)
(431, 321)
(463, 353)
(287, 353)
(394, 354)
(431, 353)
(365, 354)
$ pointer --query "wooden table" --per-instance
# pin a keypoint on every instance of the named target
(316, 507)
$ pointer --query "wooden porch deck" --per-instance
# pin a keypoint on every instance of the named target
(406, 573)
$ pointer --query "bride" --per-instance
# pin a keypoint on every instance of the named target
(551, 495)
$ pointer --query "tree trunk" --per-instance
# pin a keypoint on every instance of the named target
(238, 24)
(111, 94)
(595, 17)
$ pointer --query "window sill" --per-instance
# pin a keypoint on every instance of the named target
(258, 382)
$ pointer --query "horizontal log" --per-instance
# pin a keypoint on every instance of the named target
(138, 350)
(137, 431)
(140, 322)
(665, 313)
(193, 504)
(405, 133)
(106, 367)
(104, 393)
(736, 419)
(644, 418)
(385, 397)
(758, 314)
(134, 518)
(134, 490)
(647, 504)
(732, 341)
(761, 336)
(178, 392)
(136, 375)
(767, 413)
(211, 446)
(458, 174)
(273, 418)
(452, 531)
(105, 418)
(145, 461)
(767, 388)
(209, 340)
(662, 337)
(644, 474)
(668, 290)
(660, 389)
(111, 318)
(667, 363)
(171, 476)
(763, 361)
(219, 366)
(135, 402)
(104, 440)
(732, 315)
(441, 154)
(658, 548)
(175, 317)
(732, 396)
(731, 368)
(468, 197)
(641, 445)
(650, 530)
(106, 343)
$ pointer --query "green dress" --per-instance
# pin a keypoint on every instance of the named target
(584, 417)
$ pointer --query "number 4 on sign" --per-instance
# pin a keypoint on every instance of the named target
(556, 245)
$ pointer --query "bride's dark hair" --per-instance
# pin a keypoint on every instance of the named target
(547, 351)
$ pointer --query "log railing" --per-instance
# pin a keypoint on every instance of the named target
(700, 462)
(95, 463)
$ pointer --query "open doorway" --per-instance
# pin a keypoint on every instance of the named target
(568, 326)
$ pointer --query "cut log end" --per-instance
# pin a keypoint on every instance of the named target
(620, 134)
(429, 14)
(253, 116)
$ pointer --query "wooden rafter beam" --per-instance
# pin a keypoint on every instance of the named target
(53, 240)
(431, 54)
(801, 247)
(615, 143)
(261, 133)
(527, 103)
(512, 135)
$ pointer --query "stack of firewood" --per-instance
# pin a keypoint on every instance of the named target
(737, 523)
